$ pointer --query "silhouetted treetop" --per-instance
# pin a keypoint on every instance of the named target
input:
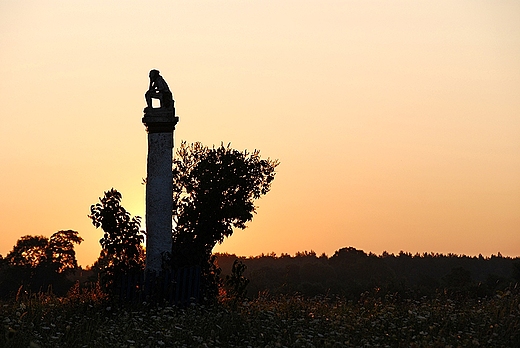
(214, 192)
(39, 263)
(61, 249)
(29, 251)
(35, 251)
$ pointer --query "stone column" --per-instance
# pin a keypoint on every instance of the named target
(160, 124)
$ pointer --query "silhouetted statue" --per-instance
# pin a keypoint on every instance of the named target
(158, 90)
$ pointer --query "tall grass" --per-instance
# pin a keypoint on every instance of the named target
(87, 319)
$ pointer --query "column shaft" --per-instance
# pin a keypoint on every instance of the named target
(159, 199)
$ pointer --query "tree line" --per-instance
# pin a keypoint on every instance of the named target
(37, 263)
(351, 272)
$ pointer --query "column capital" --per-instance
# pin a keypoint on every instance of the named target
(160, 120)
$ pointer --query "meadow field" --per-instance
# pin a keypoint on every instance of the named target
(81, 320)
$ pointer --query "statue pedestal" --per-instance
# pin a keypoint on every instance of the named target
(160, 120)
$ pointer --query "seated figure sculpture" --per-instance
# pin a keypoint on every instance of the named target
(158, 90)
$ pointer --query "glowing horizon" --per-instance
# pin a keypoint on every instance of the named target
(396, 124)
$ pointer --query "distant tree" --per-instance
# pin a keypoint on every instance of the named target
(348, 255)
(60, 250)
(38, 262)
(307, 254)
(121, 243)
(39, 251)
(214, 192)
(29, 251)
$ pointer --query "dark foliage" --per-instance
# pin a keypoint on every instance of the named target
(516, 271)
(38, 263)
(122, 251)
(350, 273)
(30, 251)
(60, 250)
(236, 283)
(214, 192)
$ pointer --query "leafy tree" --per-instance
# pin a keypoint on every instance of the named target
(214, 192)
(29, 251)
(121, 243)
(38, 262)
(39, 251)
(60, 249)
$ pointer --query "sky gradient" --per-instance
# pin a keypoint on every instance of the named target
(397, 123)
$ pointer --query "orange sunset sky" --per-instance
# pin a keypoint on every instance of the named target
(397, 123)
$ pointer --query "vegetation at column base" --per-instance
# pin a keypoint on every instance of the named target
(214, 191)
(86, 319)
